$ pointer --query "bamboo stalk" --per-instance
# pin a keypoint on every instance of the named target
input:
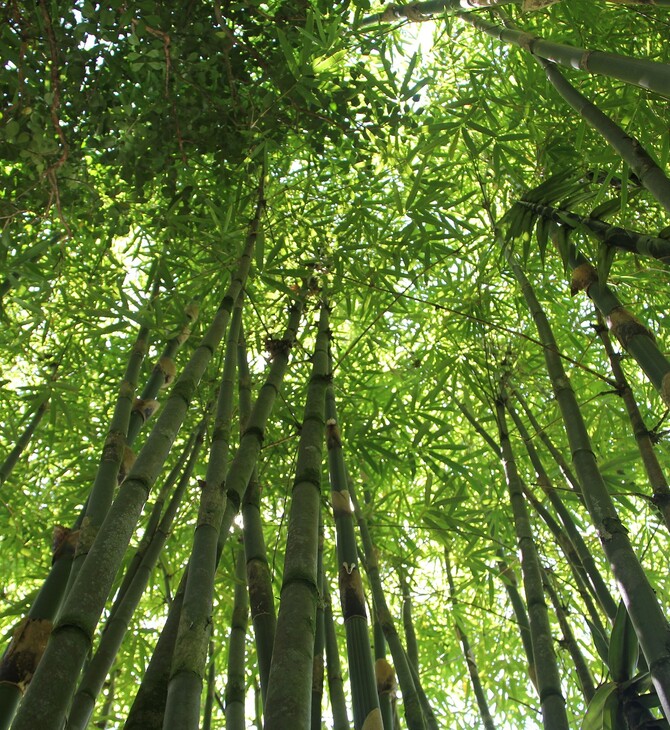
(290, 685)
(319, 640)
(569, 641)
(413, 710)
(471, 662)
(182, 710)
(128, 599)
(259, 577)
(334, 670)
(352, 596)
(592, 577)
(546, 667)
(639, 598)
(385, 675)
(56, 677)
(655, 474)
(22, 441)
(235, 690)
(407, 622)
(509, 580)
(641, 72)
(211, 690)
(651, 176)
(637, 340)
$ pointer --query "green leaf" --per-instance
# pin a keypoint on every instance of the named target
(602, 710)
(623, 648)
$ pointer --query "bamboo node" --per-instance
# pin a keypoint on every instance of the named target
(333, 438)
(584, 60)
(349, 567)
(374, 720)
(341, 503)
(166, 367)
(624, 326)
(24, 652)
(391, 13)
(146, 408)
(582, 277)
(414, 15)
(385, 676)
(64, 541)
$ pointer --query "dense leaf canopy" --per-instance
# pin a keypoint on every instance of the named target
(132, 140)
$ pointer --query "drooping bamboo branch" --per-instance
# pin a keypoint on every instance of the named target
(290, 685)
(649, 173)
(546, 667)
(22, 441)
(55, 679)
(614, 236)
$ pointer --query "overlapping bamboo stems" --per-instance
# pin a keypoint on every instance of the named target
(384, 675)
(636, 339)
(650, 175)
(407, 621)
(613, 236)
(131, 591)
(471, 662)
(50, 597)
(590, 574)
(414, 713)
(333, 668)
(180, 475)
(569, 641)
(641, 72)
(552, 701)
(655, 474)
(259, 576)
(574, 563)
(182, 709)
(22, 441)
(319, 638)
(235, 690)
(352, 596)
(509, 580)
(30, 637)
(639, 598)
(117, 457)
(563, 465)
(290, 686)
(150, 700)
(55, 680)
(148, 708)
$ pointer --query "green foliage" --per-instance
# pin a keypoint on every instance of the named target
(131, 135)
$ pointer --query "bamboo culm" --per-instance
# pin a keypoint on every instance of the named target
(546, 667)
(182, 710)
(53, 685)
(290, 686)
(129, 597)
(639, 597)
